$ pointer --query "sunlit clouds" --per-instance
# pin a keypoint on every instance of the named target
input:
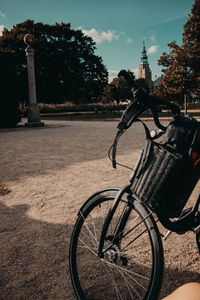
(100, 36)
(153, 49)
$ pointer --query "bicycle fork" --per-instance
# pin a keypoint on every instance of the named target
(115, 238)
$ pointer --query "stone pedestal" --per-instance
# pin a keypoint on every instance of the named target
(33, 116)
(33, 109)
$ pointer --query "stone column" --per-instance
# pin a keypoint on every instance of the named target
(33, 108)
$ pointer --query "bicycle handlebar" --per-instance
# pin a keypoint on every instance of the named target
(142, 102)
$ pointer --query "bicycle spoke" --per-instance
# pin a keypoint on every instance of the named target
(134, 240)
(129, 286)
(143, 277)
(116, 288)
(94, 226)
(121, 271)
(89, 231)
(91, 240)
(89, 248)
(125, 270)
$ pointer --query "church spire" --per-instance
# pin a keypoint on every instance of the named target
(144, 58)
(144, 69)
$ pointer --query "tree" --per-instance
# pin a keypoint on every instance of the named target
(65, 64)
(116, 91)
(9, 106)
(141, 82)
(177, 79)
(181, 65)
(191, 44)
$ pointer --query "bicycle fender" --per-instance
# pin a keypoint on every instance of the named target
(97, 194)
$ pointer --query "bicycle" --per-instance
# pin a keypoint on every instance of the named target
(116, 248)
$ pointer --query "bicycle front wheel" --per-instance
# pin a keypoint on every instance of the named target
(130, 269)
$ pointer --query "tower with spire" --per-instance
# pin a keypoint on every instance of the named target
(144, 69)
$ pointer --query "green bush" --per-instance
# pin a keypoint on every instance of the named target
(9, 106)
(62, 108)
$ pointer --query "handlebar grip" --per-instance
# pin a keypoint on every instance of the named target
(125, 76)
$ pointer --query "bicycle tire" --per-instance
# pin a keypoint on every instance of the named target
(137, 274)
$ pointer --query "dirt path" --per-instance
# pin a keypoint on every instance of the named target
(50, 172)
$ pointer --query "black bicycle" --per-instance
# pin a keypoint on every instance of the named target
(116, 248)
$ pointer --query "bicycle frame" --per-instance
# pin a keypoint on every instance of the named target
(109, 218)
(188, 220)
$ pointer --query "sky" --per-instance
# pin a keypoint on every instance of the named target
(119, 27)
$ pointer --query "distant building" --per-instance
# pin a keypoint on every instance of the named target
(155, 82)
(144, 69)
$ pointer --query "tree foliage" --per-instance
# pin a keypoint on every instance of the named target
(191, 44)
(177, 79)
(141, 82)
(9, 106)
(181, 67)
(65, 64)
(117, 92)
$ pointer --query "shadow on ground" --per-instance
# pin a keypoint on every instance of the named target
(34, 259)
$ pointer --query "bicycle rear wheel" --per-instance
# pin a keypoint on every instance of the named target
(132, 269)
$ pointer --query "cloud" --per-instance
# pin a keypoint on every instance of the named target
(100, 36)
(174, 18)
(1, 29)
(112, 74)
(153, 49)
(129, 40)
(2, 14)
(153, 38)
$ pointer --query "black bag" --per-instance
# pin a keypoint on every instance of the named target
(180, 134)
(166, 173)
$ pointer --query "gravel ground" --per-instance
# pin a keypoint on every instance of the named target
(50, 172)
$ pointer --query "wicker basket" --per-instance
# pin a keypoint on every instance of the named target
(163, 179)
